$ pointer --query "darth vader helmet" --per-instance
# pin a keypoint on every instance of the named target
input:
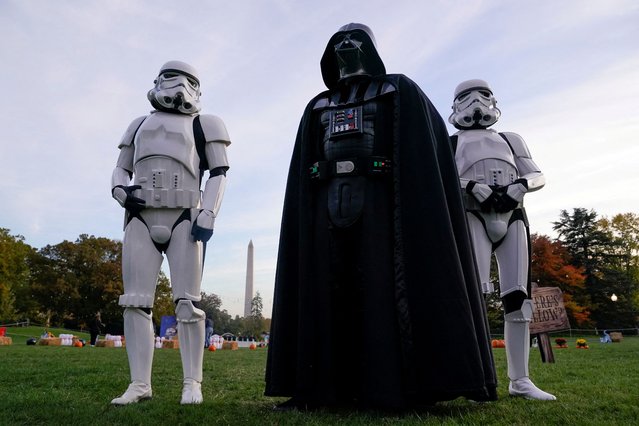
(351, 51)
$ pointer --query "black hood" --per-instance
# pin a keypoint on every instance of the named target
(328, 63)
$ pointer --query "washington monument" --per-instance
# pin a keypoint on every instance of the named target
(248, 295)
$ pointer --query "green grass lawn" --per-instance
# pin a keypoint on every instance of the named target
(68, 385)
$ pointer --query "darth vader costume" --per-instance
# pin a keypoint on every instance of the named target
(377, 302)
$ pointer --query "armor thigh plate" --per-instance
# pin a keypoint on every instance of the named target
(166, 183)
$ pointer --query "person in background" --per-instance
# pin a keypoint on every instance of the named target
(96, 327)
(208, 328)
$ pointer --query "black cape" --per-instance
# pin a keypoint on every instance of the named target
(424, 336)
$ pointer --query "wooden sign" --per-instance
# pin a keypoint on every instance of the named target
(549, 313)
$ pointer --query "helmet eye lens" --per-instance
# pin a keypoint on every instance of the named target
(348, 41)
(192, 82)
(353, 38)
(171, 75)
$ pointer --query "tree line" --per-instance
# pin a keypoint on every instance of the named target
(64, 285)
(592, 259)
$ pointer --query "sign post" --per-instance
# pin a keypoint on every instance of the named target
(549, 315)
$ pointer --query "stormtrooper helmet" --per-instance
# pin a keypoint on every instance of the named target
(474, 106)
(177, 89)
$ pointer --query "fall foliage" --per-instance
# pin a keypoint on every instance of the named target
(551, 268)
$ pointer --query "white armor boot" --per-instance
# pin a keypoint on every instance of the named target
(517, 336)
(191, 336)
(138, 332)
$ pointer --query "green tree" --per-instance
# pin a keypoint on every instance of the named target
(254, 325)
(256, 306)
(236, 326)
(71, 281)
(7, 301)
(587, 244)
(623, 230)
(620, 313)
(14, 276)
(211, 304)
(48, 288)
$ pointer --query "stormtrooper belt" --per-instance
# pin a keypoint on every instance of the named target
(368, 166)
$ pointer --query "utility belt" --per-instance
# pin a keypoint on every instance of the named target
(169, 197)
(471, 204)
(367, 166)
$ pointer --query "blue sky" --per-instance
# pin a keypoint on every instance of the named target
(75, 73)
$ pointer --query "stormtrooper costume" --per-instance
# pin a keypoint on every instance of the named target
(157, 180)
(496, 171)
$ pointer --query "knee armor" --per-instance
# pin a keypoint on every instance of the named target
(186, 312)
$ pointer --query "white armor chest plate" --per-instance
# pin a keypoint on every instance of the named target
(485, 157)
(166, 163)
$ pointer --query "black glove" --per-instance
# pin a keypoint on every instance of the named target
(507, 202)
(504, 204)
(202, 229)
(486, 203)
(127, 200)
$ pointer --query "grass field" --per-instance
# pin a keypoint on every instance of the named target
(68, 385)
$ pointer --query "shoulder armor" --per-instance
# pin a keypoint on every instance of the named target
(214, 129)
(375, 88)
(320, 103)
(127, 138)
(378, 88)
(517, 144)
(387, 87)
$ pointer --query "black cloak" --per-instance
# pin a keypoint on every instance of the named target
(415, 331)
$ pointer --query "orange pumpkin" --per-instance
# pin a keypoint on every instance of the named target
(498, 343)
(77, 344)
(252, 346)
(212, 348)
